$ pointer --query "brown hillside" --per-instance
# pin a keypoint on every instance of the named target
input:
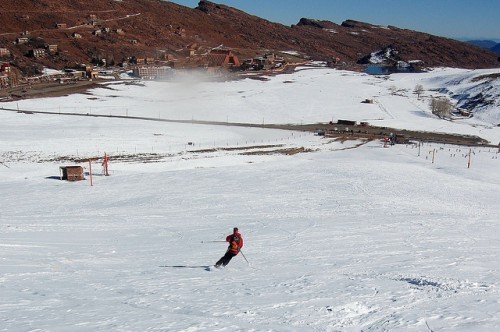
(153, 28)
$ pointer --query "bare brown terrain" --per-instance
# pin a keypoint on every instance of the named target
(119, 31)
(50, 89)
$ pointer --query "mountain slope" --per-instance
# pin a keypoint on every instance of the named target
(483, 43)
(487, 44)
(496, 48)
(151, 28)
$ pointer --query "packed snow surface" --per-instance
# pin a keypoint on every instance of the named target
(346, 236)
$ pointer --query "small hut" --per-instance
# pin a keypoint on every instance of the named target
(72, 173)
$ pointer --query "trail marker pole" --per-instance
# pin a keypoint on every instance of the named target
(105, 164)
(90, 172)
(468, 163)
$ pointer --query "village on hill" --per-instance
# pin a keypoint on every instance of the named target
(71, 45)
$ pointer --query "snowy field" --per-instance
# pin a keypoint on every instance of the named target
(347, 236)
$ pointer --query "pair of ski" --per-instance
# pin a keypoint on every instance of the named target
(205, 267)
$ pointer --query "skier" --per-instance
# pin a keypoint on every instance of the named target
(235, 244)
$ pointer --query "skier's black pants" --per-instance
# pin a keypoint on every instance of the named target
(225, 259)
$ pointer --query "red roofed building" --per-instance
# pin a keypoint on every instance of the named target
(4, 75)
(222, 58)
(5, 67)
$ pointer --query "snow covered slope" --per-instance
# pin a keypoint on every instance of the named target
(309, 95)
(346, 236)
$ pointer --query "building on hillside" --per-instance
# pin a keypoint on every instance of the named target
(93, 74)
(52, 48)
(464, 112)
(252, 64)
(4, 75)
(267, 61)
(416, 65)
(192, 49)
(61, 25)
(89, 70)
(5, 68)
(76, 74)
(22, 40)
(4, 51)
(222, 58)
(162, 55)
(76, 35)
(334, 61)
(85, 67)
(7, 76)
(153, 72)
(4, 81)
(37, 53)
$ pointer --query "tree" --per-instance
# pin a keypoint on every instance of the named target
(419, 90)
(441, 107)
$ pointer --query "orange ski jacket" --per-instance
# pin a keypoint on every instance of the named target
(235, 243)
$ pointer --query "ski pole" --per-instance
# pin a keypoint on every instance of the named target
(244, 257)
(211, 241)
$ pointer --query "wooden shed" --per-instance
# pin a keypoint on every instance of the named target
(72, 173)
